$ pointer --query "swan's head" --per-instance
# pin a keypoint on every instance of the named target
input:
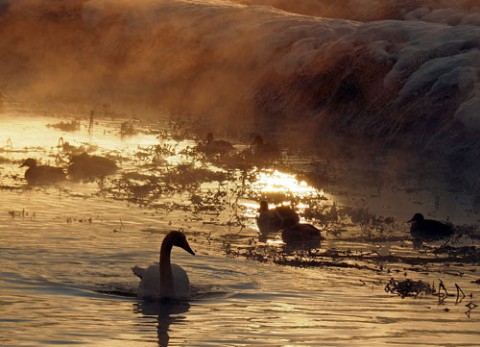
(30, 162)
(177, 238)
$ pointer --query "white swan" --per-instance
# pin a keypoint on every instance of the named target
(165, 280)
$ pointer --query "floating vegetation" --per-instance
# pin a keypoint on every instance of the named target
(127, 129)
(139, 187)
(23, 213)
(471, 231)
(463, 253)
(413, 289)
(73, 125)
(71, 220)
(409, 288)
(4, 160)
(70, 149)
(187, 176)
(470, 307)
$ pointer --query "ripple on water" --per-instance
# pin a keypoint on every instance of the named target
(66, 277)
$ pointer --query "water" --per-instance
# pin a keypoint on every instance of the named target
(376, 101)
(66, 254)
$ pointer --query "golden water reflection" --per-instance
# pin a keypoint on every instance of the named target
(156, 169)
(282, 188)
(273, 181)
(91, 242)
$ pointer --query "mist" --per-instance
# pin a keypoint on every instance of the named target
(397, 74)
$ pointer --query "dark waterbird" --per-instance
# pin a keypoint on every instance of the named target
(85, 166)
(300, 234)
(165, 280)
(42, 174)
(429, 229)
(264, 151)
(212, 146)
(273, 220)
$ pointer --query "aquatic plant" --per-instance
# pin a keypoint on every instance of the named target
(408, 288)
(73, 125)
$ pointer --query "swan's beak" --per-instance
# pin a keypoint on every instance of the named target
(186, 247)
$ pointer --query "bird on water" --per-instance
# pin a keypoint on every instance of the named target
(429, 229)
(273, 220)
(301, 233)
(42, 174)
(85, 166)
(165, 280)
(264, 151)
(286, 220)
(212, 146)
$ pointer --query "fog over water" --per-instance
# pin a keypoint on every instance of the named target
(374, 106)
(403, 74)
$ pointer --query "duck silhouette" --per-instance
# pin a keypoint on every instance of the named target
(165, 280)
(273, 220)
(301, 233)
(429, 229)
(42, 174)
(263, 151)
(213, 147)
(85, 166)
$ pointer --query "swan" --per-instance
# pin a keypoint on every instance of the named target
(42, 174)
(429, 229)
(165, 280)
(272, 220)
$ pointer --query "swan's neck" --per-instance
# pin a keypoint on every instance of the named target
(167, 289)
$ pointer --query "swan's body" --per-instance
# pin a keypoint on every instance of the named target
(42, 174)
(429, 229)
(165, 280)
(149, 286)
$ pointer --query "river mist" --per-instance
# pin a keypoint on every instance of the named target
(405, 75)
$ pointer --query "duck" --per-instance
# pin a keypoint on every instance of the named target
(273, 220)
(165, 280)
(263, 151)
(42, 174)
(429, 229)
(212, 146)
(85, 166)
(301, 233)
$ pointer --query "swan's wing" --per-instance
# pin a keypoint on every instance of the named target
(149, 286)
(182, 283)
(138, 271)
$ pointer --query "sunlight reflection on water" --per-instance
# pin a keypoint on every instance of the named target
(66, 257)
(274, 181)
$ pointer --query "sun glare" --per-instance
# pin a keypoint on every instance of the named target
(274, 182)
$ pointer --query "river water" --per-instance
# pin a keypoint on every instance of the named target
(66, 252)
